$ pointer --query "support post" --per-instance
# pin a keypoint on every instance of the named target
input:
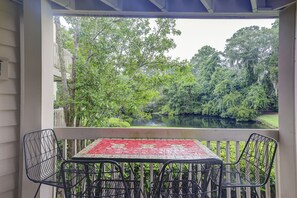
(36, 81)
(287, 103)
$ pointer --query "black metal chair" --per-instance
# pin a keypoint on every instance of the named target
(97, 178)
(253, 167)
(189, 178)
(42, 153)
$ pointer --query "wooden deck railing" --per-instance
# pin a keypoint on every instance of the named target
(226, 143)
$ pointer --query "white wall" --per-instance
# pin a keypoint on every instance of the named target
(9, 99)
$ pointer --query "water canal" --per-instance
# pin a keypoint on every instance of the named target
(197, 121)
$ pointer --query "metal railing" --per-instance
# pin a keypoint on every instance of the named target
(226, 143)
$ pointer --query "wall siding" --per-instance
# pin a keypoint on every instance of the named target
(9, 134)
(8, 37)
(9, 102)
(8, 166)
(8, 183)
(9, 99)
(9, 194)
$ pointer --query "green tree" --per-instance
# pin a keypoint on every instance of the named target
(205, 62)
(253, 52)
(256, 98)
(117, 67)
(243, 52)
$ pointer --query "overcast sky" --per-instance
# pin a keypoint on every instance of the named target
(199, 32)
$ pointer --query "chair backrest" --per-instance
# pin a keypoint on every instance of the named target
(94, 179)
(189, 178)
(42, 152)
(256, 159)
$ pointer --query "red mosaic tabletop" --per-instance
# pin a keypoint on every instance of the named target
(145, 150)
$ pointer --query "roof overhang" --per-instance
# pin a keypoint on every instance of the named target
(172, 8)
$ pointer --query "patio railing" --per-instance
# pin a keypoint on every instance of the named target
(226, 143)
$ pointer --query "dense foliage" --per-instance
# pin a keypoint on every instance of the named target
(120, 70)
(239, 83)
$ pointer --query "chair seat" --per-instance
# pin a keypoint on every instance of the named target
(114, 188)
(189, 178)
(54, 179)
(233, 177)
(97, 178)
(180, 188)
(134, 188)
(107, 188)
(103, 188)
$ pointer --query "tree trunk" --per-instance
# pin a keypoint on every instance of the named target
(68, 85)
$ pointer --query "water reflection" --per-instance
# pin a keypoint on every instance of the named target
(196, 121)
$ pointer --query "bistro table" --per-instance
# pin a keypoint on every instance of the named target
(145, 150)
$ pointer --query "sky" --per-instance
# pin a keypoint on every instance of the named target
(197, 33)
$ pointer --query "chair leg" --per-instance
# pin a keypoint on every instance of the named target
(254, 189)
(244, 191)
(37, 191)
(57, 192)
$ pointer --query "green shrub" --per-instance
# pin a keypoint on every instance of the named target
(240, 113)
(116, 122)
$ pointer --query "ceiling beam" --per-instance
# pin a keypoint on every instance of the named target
(208, 4)
(197, 15)
(254, 5)
(161, 4)
(115, 4)
(20, 2)
(279, 4)
(68, 4)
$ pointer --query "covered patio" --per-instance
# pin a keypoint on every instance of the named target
(26, 80)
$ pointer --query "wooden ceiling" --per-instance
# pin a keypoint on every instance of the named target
(173, 8)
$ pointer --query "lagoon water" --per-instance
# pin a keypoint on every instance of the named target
(197, 121)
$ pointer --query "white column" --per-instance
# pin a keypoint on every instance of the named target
(36, 81)
(287, 103)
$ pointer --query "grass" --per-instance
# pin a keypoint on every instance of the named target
(269, 119)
